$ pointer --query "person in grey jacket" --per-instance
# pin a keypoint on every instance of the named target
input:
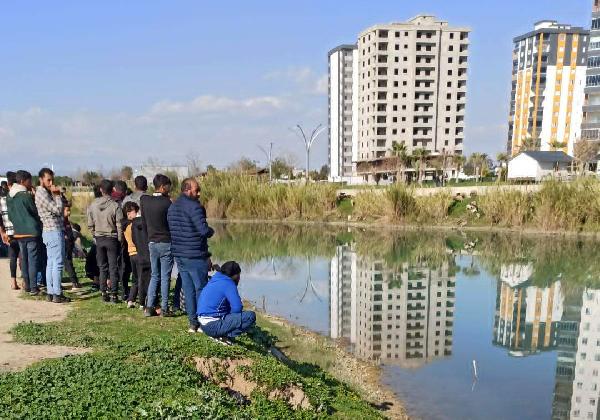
(104, 220)
(141, 187)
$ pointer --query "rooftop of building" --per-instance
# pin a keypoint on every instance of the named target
(548, 26)
(424, 20)
(547, 156)
(342, 48)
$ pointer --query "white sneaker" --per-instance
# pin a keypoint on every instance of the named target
(191, 330)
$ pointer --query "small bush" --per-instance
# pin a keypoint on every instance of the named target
(506, 208)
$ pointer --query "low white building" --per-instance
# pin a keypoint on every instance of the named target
(539, 165)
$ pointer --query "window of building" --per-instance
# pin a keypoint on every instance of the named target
(449, 59)
(451, 48)
(593, 62)
(449, 72)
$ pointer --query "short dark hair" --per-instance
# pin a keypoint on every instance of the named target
(141, 183)
(22, 176)
(45, 171)
(131, 206)
(161, 180)
(120, 186)
(97, 192)
(186, 184)
(230, 269)
(106, 186)
(11, 177)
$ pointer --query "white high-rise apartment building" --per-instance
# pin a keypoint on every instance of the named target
(343, 103)
(410, 87)
(590, 129)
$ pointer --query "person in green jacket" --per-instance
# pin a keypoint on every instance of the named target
(28, 228)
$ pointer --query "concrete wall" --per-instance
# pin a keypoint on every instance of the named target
(479, 190)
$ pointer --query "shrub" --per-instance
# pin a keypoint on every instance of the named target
(506, 208)
(434, 208)
(402, 201)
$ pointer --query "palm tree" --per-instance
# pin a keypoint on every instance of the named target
(529, 143)
(420, 155)
(478, 160)
(402, 159)
(459, 161)
(502, 159)
(557, 145)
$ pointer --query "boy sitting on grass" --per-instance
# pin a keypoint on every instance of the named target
(220, 311)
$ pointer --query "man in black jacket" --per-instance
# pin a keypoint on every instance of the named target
(154, 210)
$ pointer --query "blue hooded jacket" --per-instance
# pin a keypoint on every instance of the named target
(219, 297)
(189, 229)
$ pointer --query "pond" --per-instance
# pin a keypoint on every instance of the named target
(464, 325)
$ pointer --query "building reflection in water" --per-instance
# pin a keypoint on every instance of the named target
(527, 316)
(532, 319)
(401, 314)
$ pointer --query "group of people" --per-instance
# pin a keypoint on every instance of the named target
(137, 236)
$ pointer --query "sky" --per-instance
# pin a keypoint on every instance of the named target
(96, 85)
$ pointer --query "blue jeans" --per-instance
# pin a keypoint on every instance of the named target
(230, 325)
(29, 248)
(194, 276)
(161, 265)
(55, 254)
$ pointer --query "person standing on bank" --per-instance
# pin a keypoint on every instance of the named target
(189, 244)
(104, 221)
(49, 203)
(27, 227)
(141, 187)
(7, 231)
(154, 211)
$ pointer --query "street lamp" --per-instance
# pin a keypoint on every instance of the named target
(269, 156)
(308, 142)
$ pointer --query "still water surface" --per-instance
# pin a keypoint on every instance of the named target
(464, 325)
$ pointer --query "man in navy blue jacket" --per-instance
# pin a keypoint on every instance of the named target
(220, 307)
(189, 244)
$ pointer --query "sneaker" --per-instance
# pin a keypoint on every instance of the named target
(105, 297)
(76, 285)
(131, 305)
(114, 299)
(222, 340)
(148, 312)
(60, 299)
(49, 298)
(167, 314)
(192, 330)
(34, 292)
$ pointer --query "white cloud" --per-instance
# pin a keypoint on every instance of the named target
(213, 104)
(322, 85)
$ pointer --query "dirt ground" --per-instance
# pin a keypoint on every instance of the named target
(13, 309)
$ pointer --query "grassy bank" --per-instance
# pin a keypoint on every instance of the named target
(556, 206)
(153, 368)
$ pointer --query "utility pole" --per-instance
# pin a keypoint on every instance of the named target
(269, 156)
(308, 142)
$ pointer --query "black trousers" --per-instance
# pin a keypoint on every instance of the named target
(13, 254)
(125, 271)
(107, 255)
(69, 268)
(142, 272)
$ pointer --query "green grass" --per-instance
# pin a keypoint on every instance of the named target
(142, 368)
